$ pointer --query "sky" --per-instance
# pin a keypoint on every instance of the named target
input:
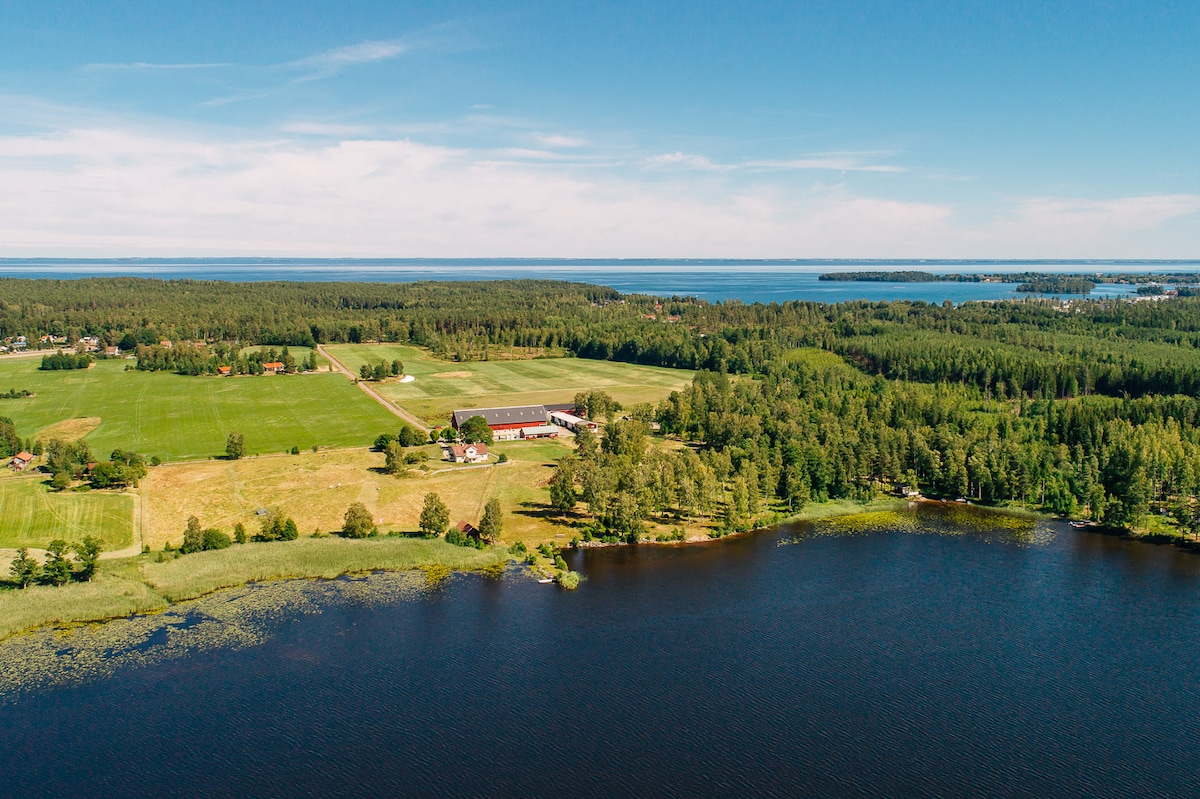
(848, 129)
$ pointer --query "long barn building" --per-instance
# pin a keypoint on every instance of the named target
(506, 423)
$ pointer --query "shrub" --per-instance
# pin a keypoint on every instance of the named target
(518, 548)
(215, 539)
(239, 533)
(357, 522)
(569, 580)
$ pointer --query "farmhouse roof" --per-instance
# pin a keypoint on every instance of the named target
(273, 365)
(23, 456)
(517, 414)
(468, 528)
(460, 450)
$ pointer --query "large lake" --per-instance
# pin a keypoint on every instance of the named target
(748, 281)
(934, 661)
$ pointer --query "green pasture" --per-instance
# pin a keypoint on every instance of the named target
(443, 386)
(32, 516)
(177, 417)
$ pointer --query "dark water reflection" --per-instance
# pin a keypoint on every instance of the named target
(885, 664)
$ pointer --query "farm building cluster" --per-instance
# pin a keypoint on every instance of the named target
(525, 421)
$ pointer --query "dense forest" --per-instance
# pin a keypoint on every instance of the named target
(1085, 409)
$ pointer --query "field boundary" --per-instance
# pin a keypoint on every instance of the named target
(338, 366)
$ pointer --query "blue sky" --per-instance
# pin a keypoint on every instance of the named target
(834, 129)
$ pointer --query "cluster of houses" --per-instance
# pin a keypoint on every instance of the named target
(516, 422)
(270, 368)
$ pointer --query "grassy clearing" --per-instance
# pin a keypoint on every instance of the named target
(32, 516)
(109, 596)
(442, 386)
(847, 507)
(178, 417)
(205, 572)
(316, 488)
(142, 585)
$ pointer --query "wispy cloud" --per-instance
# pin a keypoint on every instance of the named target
(835, 162)
(558, 140)
(350, 55)
(688, 161)
(145, 65)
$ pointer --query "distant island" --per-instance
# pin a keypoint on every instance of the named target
(1027, 282)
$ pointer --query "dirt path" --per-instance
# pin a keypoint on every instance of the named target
(338, 366)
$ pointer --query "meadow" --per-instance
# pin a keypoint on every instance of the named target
(32, 516)
(177, 417)
(316, 488)
(441, 387)
(143, 584)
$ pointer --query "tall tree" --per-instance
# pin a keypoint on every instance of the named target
(58, 568)
(24, 569)
(435, 516)
(491, 524)
(562, 489)
(88, 552)
(235, 446)
(476, 431)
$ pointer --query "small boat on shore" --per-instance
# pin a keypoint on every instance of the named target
(545, 580)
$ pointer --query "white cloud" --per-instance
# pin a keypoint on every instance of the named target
(110, 191)
(686, 160)
(558, 140)
(836, 162)
(361, 53)
(326, 129)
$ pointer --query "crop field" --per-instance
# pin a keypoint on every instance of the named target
(177, 417)
(32, 516)
(441, 387)
(316, 488)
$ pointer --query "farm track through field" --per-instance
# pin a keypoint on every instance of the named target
(372, 393)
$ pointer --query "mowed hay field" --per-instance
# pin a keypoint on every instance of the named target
(32, 516)
(316, 488)
(177, 417)
(441, 387)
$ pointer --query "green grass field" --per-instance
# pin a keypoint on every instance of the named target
(177, 417)
(31, 516)
(442, 386)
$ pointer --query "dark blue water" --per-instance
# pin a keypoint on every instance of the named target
(748, 281)
(887, 664)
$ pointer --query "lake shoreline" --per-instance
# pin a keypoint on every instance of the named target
(146, 585)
